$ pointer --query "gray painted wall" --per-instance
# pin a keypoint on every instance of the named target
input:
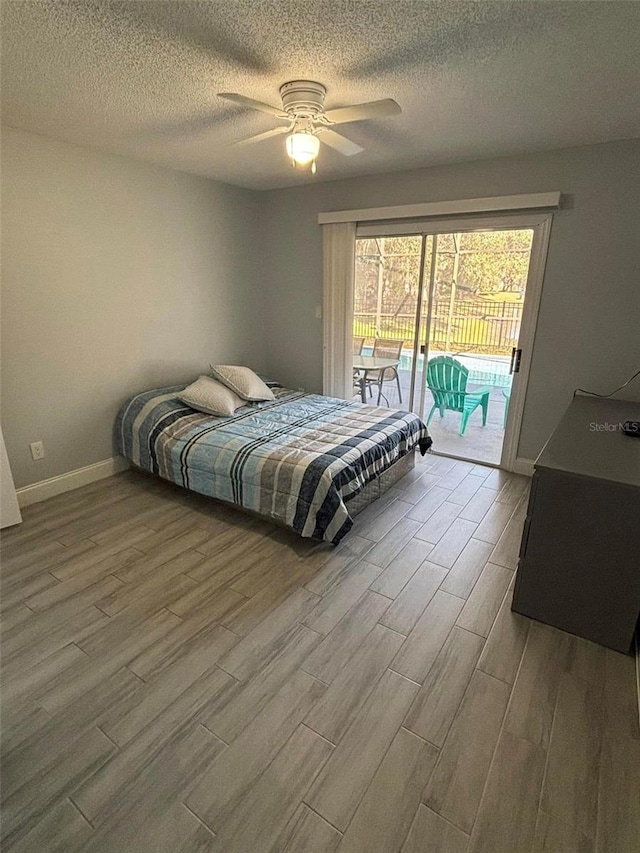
(588, 331)
(117, 276)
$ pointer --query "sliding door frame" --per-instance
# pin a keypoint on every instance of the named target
(418, 323)
(540, 223)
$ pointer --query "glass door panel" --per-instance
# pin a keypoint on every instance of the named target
(475, 310)
(385, 318)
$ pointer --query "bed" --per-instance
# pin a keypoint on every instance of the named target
(302, 460)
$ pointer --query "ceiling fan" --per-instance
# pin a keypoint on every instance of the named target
(307, 121)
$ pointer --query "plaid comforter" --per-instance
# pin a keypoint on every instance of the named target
(297, 459)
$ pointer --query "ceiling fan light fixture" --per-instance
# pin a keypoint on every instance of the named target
(304, 113)
(303, 147)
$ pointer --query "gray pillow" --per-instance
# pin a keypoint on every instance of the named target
(210, 396)
(242, 381)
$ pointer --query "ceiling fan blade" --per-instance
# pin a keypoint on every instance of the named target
(254, 105)
(260, 136)
(360, 112)
(339, 142)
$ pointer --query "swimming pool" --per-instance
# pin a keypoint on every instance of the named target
(483, 369)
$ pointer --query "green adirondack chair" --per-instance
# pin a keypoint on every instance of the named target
(447, 381)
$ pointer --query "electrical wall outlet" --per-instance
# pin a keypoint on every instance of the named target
(37, 450)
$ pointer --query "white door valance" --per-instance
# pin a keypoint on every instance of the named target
(494, 204)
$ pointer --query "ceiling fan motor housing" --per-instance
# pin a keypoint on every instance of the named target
(303, 98)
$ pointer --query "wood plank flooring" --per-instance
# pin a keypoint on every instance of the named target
(179, 677)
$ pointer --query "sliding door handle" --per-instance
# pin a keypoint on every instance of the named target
(516, 356)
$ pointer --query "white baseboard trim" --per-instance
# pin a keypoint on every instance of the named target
(37, 492)
(523, 466)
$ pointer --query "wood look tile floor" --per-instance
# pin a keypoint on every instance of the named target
(179, 677)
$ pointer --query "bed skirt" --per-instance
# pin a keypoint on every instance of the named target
(373, 490)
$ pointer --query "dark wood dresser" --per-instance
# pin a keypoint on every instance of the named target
(579, 566)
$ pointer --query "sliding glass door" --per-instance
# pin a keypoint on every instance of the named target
(386, 314)
(446, 308)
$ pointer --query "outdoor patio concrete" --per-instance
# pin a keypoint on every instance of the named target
(479, 443)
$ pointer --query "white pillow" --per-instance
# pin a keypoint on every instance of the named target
(243, 382)
(214, 398)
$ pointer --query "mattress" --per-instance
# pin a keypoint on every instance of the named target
(298, 459)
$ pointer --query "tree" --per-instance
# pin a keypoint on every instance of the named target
(489, 262)
(472, 268)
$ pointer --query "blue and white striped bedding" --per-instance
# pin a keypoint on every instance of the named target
(297, 459)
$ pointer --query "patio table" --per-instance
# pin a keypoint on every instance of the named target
(365, 364)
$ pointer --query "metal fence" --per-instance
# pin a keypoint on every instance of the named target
(482, 327)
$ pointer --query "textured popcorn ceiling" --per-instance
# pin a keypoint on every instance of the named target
(474, 79)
